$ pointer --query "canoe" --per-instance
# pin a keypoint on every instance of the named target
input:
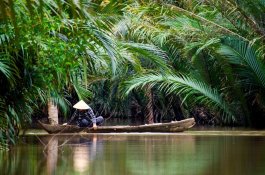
(174, 126)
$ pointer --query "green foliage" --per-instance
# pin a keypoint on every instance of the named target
(189, 88)
(89, 50)
(44, 52)
(243, 55)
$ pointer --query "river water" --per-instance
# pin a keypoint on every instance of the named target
(187, 153)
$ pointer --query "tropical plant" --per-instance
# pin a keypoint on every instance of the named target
(211, 51)
(47, 52)
(248, 67)
(186, 87)
(194, 30)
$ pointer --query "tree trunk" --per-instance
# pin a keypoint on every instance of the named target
(149, 107)
(52, 113)
(177, 110)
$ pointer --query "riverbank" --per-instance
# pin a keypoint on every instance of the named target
(193, 131)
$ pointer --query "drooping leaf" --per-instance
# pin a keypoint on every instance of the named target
(187, 87)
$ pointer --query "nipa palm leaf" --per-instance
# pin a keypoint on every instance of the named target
(187, 87)
(244, 55)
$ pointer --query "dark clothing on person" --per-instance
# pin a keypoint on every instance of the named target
(86, 123)
(86, 118)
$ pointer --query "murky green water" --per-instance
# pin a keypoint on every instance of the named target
(143, 154)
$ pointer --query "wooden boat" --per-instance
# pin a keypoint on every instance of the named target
(174, 126)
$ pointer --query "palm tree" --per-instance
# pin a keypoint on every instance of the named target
(249, 69)
(195, 32)
(49, 58)
(52, 50)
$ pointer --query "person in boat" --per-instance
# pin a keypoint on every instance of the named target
(85, 116)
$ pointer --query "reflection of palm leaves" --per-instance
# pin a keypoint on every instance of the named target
(186, 86)
(169, 156)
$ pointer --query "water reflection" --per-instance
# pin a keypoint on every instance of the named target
(82, 149)
(81, 159)
(52, 155)
(136, 155)
(83, 154)
(157, 160)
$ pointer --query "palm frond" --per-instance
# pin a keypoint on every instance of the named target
(244, 54)
(61, 102)
(205, 45)
(150, 52)
(205, 20)
(103, 39)
(4, 38)
(82, 91)
(190, 88)
(262, 2)
(8, 68)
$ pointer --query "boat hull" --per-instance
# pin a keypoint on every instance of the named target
(174, 126)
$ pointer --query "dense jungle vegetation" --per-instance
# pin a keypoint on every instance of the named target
(150, 60)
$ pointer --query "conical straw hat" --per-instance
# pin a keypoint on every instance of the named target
(81, 105)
